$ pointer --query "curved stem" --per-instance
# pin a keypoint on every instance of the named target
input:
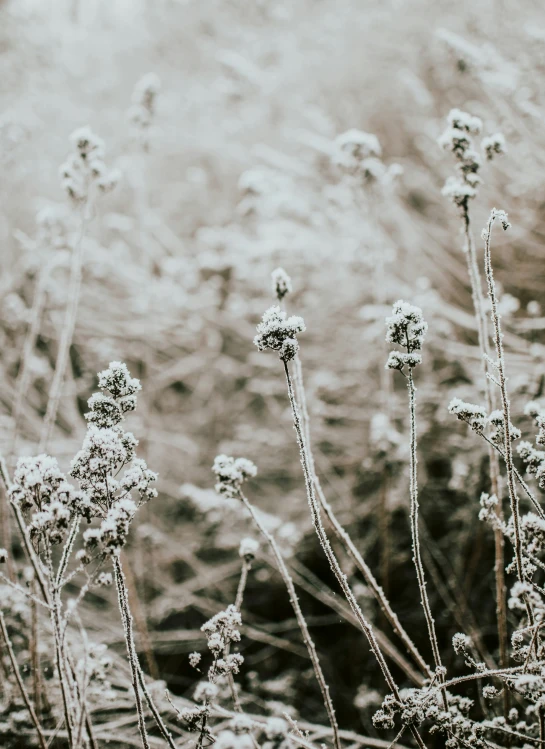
(417, 557)
(344, 537)
(332, 559)
(288, 582)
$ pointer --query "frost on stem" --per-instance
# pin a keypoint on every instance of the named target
(85, 167)
(278, 332)
(405, 327)
(281, 283)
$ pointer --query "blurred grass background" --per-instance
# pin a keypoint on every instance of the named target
(238, 181)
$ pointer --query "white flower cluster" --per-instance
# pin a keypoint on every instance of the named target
(358, 154)
(85, 166)
(496, 419)
(142, 112)
(222, 629)
(281, 283)
(278, 332)
(231, 473)
(39, 484)
(248, 549)
(106, 450)
(457, 139)
(487, 513)
(474, 416)
(405, 327)
(493, 145)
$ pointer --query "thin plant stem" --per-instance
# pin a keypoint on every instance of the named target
(55, 614)
(126, 618)
(499, 548)
(417, 557)
(506, 407)
(301, 621)
(20, 683)
(131, 648)
(344, 537)
(332, 559)
(67, 335)
(23, 376)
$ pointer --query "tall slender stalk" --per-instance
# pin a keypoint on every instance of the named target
(499, 548)
(67, 333)
(131, 648)
(417, 557)
(288, 582)
(137, 674)
(332, 559)
(20, 682)
(344, 537)
(506, 407)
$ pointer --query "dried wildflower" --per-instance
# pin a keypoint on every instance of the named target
(353, 148)
(458, 191)
(205, 691)
(105, 579)
(3, 556)
(474, 416)
(461, 643)
(460, 120)
(496, 420)
(406, 327)
(276, 328)
(194, 659)
(231, 473)
(493, 145)
(281, 283)
(230, 664)
(85, 167)
(222, 629)
(142, 112)
(248, 549)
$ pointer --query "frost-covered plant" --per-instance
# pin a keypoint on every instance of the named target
(141, 114)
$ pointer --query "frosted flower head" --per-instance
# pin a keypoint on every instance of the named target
(142, 112)
(460, 120)
(205, 691)
(281, 283)
(493, 145)
(222, 629)
(85, 166)
(248, 549)
(405, 327)
(231, 473)
(460, 643)
(459, 192)
(114, 529)
(276, 729)
(353, 147)
(3, 556)
(474, 416)
(276, 328)
(118, 381)
(194, 659)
